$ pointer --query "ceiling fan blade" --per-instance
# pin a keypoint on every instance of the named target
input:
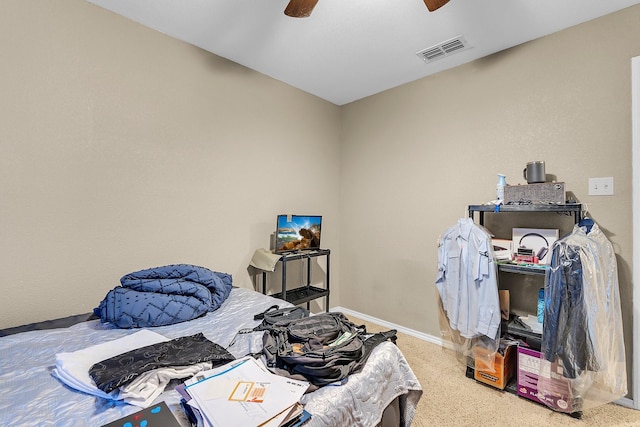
(435, 4)
(300, 8)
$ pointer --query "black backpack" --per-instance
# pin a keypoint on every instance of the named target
(276, 317)
(323, 348)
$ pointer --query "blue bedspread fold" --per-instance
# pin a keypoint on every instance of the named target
(163, 296)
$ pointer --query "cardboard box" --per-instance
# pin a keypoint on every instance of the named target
(500, 372)
(530, 372)
(504, 297)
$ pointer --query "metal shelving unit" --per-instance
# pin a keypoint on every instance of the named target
(305, 293)
(573, 209)
(521, 269)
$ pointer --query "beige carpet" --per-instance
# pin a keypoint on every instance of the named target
(451, 399)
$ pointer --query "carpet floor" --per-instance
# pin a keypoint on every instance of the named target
(451, 399)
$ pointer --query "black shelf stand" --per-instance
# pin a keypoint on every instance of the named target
(509, 267)
(305, 293)
(573, 209)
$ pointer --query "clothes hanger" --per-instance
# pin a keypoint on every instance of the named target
(586, 222)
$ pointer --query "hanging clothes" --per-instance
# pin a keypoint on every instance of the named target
(467, 280)
(566, 323)
(582, 329)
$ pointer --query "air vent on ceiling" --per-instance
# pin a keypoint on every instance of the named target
(446, 48)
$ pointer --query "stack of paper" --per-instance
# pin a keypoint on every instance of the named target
(245, 393)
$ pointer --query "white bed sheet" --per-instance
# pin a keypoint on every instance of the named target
(30, 395)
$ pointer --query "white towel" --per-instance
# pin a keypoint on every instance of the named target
(72, 368)
(264, 259)
(143, 390)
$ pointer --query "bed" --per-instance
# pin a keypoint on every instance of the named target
(385, 392)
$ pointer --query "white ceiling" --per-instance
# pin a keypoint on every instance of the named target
(350, 49)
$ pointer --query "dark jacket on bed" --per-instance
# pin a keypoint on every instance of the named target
(163, 296)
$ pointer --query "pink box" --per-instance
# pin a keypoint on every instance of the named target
(528, 376)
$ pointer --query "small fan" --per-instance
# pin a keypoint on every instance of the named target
(303, 8)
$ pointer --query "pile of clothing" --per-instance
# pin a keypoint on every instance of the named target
(137, 367)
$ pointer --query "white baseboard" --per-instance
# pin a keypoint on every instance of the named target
(389, 325)
(430, 338)
(625, 401)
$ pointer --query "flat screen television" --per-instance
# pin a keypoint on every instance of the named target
(298, 233)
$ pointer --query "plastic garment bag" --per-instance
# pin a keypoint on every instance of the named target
(467, 291)
(582, 342)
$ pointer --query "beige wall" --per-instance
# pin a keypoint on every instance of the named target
(122, 149)
(414, 157)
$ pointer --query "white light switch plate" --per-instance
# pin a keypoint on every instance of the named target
(601, 186)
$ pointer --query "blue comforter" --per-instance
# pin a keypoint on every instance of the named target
(164, 296)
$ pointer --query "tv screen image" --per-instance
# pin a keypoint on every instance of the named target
(298, 232)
